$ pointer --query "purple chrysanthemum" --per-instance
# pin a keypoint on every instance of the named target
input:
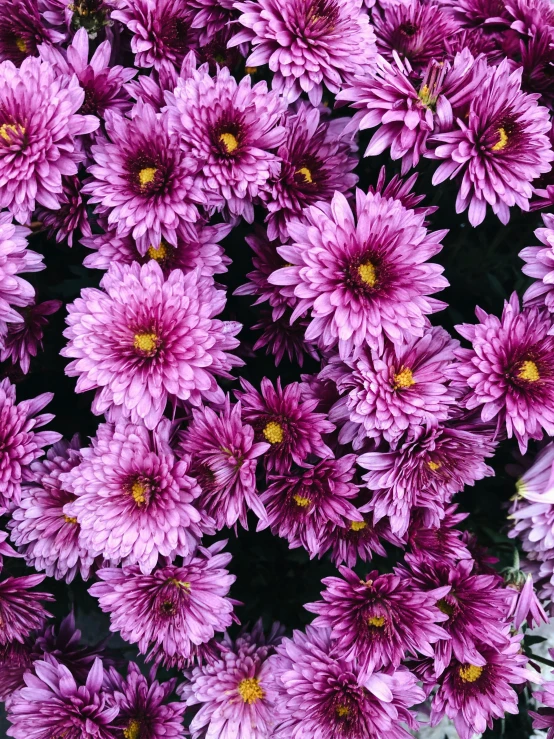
(401, 189)
(324, 696)
(305, 508)
(23, 340)
(53, 705)
(425, 471)
(212, 18)
(441, 544)
(223, 460)
(499, 150)
(510, 370)
(359, 540)
(236, 693)
(533, 525)
(362, 281)
(140, 506)
(231, 130)
(384, 395)
(15, 258)
(70, 218)
(46, 535)
(148, 339)
(22, 30)
(142, 180)
(38, 129)
(20, 443)
(174, 610)
(282, 337)
(377, 621)
(21, 611)
(289, 423)
(539, 264)
(308, 44)
(317, 160)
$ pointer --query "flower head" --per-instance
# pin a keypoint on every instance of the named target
(15, 258)
(360, 540)
(23, 340)
(157, 336)
(362, 281)
(21, 611)
(70, 217)
(22, 30)
(539, 264)
(281, 337)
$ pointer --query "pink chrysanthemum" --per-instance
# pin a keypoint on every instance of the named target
(174, 610)
(15, 258)
(280, 337)
(38, 129)
(360, 540)
(441, 544)
(158, 338)
(399, 188)
(21, 611)
(140, 507)
(362, 281)
(290, 425)
(308, 44)
(20, 443)
(224, 459)
(384, 395)
(502, 147)
(46, 536)
(231, 129)
(211, 17)
(22, 30)
(510, 370)
(23, 340)
(141, 180)
(70, 218)
(539, 264)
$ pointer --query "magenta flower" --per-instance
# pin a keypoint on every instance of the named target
(305, 508)
(231, 130)
(140, 507)
(20, 443)
(385, 394)
(281, 337)
(536, 484)
(282, 418)
(502, 147)
(399, 188)
(70, 218)
(53, 704)
(441, 544)
(376, 622)
(317, 160)
(224, 459)
(360, 540)
(308, 44)
(543, 718)
(21, 611)
(15, 258)
(15, 661)
(509, 370)
(5, 550)
(23, 340)
(38, 129)
(48, 537)
(142, 180)
(539, 264)
(158, 338)
(211, 18)
(366, 281)
(323, 696)
(175, 609)
(22, 30)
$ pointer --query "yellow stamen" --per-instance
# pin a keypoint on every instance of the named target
(300, 501)
(306, 174)
(529, 371)
(9, 130)
(358, 525)
(159, 253)
(147, 175)
(179, 583)
(69, 519)
(377, 621)
(367, 274)
(342, 711)
(146, 343)
(133, 729)
(21, 45)
(434, 466)
(502, 140)
(250, 690)
(229, 142)
(139, 491)
(274, 433)
(403, 379)
(470, 673)
(251, 70)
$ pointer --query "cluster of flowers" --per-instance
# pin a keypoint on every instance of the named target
(123, 126)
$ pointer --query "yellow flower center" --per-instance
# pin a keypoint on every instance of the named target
(146, 343)
(342, 711)
(133, 729)
(403, 379)
(250, 690)
(69, 519)
(529, 371)
(502, 140)
(445, 607)
(306, 174)
(9, 130)
(229, 141)
(147, 175)
(21, 45)
(434, 466)
(159, 253)
(179, 583)
(274, 433)
(470, 673)
(358, 525)
(251, 70)
(377, 621)
(367, 274)
(139, 492)
(301, 502)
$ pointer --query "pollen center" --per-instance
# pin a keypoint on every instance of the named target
(358, 525)
(133, 730)
(146, 343)
(274, 433)
(69, 519)
(434, 466)
(306, 174)
(250, 690)
(445, 607)
(147, 175)
(301, 502)
(179, 583)
(229, 141)
(8, 131)
(159, 253)
(367, 274)
(377, 621)
(502, 140)
(21, 45)
(342, 711)
(403, 379)
(529, 371)
(470, 673)
(139, 491)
